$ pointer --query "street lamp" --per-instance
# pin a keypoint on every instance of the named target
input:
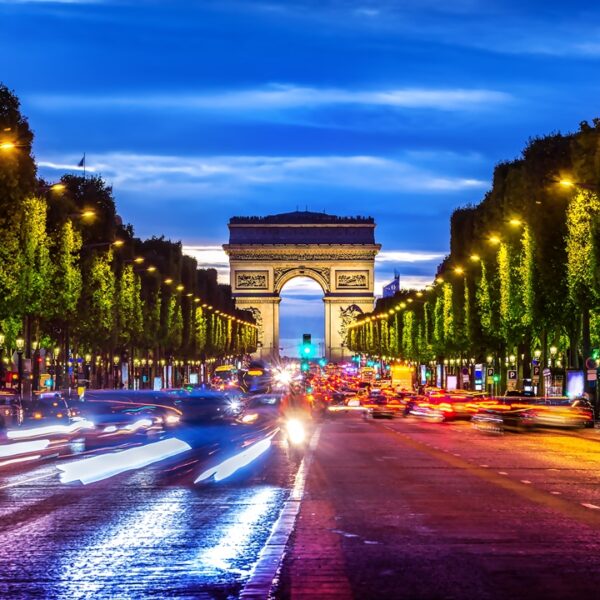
(56, 368)
(20, 343)
(2, 340)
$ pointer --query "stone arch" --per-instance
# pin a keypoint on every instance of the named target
(287, 275)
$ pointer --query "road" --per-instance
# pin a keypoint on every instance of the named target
(389, 509)
(407, 509)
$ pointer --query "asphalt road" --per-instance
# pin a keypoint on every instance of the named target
(407, 509)
(146, 533)
(389, 509)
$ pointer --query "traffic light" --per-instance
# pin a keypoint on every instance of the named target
(596, 353)
(307, 350)
(496, 378)
(323, 362)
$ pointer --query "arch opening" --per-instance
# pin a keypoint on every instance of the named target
(301, 311)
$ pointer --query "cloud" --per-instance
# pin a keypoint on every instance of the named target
(401, 256)
(277, 97)
(230, 174)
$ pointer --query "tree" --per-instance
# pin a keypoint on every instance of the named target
(129, 310)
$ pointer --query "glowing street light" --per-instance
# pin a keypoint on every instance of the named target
(475, 257)
(494, 239)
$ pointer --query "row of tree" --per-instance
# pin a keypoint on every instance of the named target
(523, 274)
(73, 275)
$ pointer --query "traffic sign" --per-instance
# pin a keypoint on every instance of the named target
(591, 363)
(512, 374)
(490, 371)
(592, 374)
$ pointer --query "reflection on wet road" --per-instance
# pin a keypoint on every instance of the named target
(142, 528)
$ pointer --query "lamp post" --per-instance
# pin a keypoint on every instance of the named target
(88, 369)
(2, 339)
(20, 343)
(35, 367)
(57, 380)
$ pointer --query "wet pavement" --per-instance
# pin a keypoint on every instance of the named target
(389, 509)
(148, 532)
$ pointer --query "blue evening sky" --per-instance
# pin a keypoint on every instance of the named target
(197, 110)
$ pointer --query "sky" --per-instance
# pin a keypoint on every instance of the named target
(197, 111)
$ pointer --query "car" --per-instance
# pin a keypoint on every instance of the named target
(380, 406)
(11, 411)
(50, 407)
(209, 406)
(445, 406)
(261, 409)
(114, 421)
(526, 413)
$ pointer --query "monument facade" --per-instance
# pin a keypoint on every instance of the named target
(337, 252)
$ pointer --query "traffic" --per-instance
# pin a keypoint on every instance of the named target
(231, 421)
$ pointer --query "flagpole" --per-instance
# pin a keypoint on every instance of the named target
(84, 165)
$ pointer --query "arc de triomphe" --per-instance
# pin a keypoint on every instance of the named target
(337, 252)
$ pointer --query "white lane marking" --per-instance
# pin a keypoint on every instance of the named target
(484, 466)
(456, 454)
(262, 579)
(525, 481)
(502, 473)
(555, 493)
(587, 505)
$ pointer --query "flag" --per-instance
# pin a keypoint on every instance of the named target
(81, 163)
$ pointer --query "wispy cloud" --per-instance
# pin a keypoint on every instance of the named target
(401, 256)
(282, 97)
(229, 174)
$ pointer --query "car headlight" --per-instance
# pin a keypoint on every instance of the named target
(172, 419)
(234, 406)
(249, 418)
(296, 431)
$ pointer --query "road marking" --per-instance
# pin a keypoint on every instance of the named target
(456, 454)
(590, 505)
(21, 481)
(525, 481)
(555, 493)
(262, 579)
(484, 466)
(502, 473)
